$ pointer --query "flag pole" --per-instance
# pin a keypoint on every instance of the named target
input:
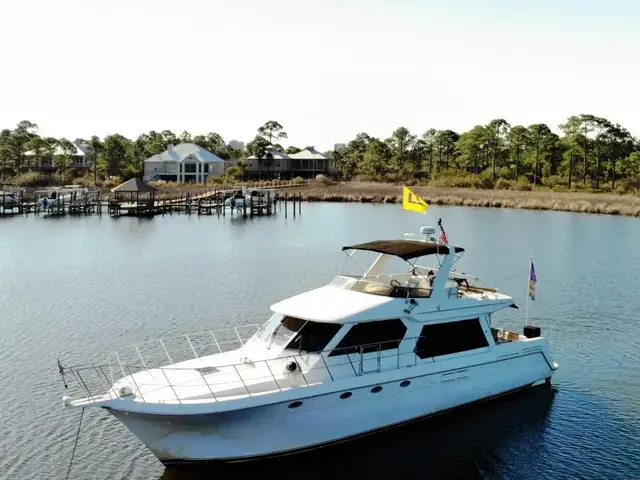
(526, 298)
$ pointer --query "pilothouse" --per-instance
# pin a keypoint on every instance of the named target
(380, 348)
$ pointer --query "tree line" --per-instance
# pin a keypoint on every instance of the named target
(592, 151)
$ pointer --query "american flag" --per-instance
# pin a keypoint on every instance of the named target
(443, 237)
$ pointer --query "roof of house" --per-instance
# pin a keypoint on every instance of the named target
(59, 151)
(185, 151)
(276, 154)
(134, 185)
(309, 153)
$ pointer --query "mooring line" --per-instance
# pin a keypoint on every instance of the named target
(75, 444)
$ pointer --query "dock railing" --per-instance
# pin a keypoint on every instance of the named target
(147, 376)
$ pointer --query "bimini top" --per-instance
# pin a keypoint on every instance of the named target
(405, 249)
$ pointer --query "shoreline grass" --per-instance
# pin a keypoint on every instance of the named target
(371, 192)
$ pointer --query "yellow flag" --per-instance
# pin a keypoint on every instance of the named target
(411, 201)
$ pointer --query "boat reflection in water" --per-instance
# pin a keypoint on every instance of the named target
(492, 439)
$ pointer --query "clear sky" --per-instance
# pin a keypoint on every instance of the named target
(325, 69)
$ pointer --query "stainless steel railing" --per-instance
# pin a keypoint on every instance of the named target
(151, 381)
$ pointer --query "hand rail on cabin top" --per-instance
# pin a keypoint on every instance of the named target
(291, 378)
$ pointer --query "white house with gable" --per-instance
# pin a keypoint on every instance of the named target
(186, 162)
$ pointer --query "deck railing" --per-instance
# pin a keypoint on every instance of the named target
(239, 379)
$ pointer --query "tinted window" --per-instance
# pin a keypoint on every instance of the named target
(313, 337)
(387, 333)
(285, 331)
(451, 337)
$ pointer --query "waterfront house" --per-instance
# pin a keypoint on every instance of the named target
(185, 162)
(310, 162)
(278, 166)
(79, 158)
(306, 163)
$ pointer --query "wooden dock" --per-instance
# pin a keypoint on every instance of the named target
(210, 202)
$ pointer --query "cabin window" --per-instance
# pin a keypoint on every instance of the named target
(206, 168)
(313, 337)
(385, 334)
(284, 331)
(189, 168)
(298, 334)
(450, 337)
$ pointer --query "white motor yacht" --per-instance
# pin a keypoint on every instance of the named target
(365, 352)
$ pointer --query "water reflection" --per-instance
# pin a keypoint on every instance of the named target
(466, 443)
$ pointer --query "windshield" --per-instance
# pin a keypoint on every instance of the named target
(279, 330)
(265, 331)
(297, 334)
(284, 332)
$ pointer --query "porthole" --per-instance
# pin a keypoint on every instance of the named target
(376, 389)
(345, 395)
(295, 404)
(405, 383)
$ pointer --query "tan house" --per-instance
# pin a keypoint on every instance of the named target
(310, 162)
(279, 166)
(307, 163)
(79, 158)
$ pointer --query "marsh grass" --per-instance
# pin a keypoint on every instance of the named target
(538, 199)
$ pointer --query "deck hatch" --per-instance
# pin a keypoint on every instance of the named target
(207, 370)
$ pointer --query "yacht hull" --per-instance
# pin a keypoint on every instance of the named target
(278, 429)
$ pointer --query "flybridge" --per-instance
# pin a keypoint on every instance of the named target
(438, 283)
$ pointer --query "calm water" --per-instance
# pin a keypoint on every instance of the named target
(77, 287)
